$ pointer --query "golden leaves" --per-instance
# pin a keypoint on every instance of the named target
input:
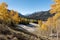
(57, 1)
(4, 5)
(44, 27)
(56, 9)
(40, 22)
(56, 16)
(53, 9)
(8, 15)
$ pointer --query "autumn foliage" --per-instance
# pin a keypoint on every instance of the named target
(52, 21)
(8, 16)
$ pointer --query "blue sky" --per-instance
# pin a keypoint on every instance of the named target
(28, 6)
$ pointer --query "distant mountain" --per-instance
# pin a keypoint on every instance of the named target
(21, 15)
(43, 15)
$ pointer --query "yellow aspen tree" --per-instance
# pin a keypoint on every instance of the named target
(53, 9)
(3, 8)
(11, 13)
(4, 5)
(4, 11)
(15, 17)
(56, 9)
(57, 15)
(6, 15)
(40, 22)
(44, 27)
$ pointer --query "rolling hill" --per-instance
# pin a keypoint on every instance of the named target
(43, 15)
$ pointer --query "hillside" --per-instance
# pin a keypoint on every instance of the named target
(12, 33)
(43, 15)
